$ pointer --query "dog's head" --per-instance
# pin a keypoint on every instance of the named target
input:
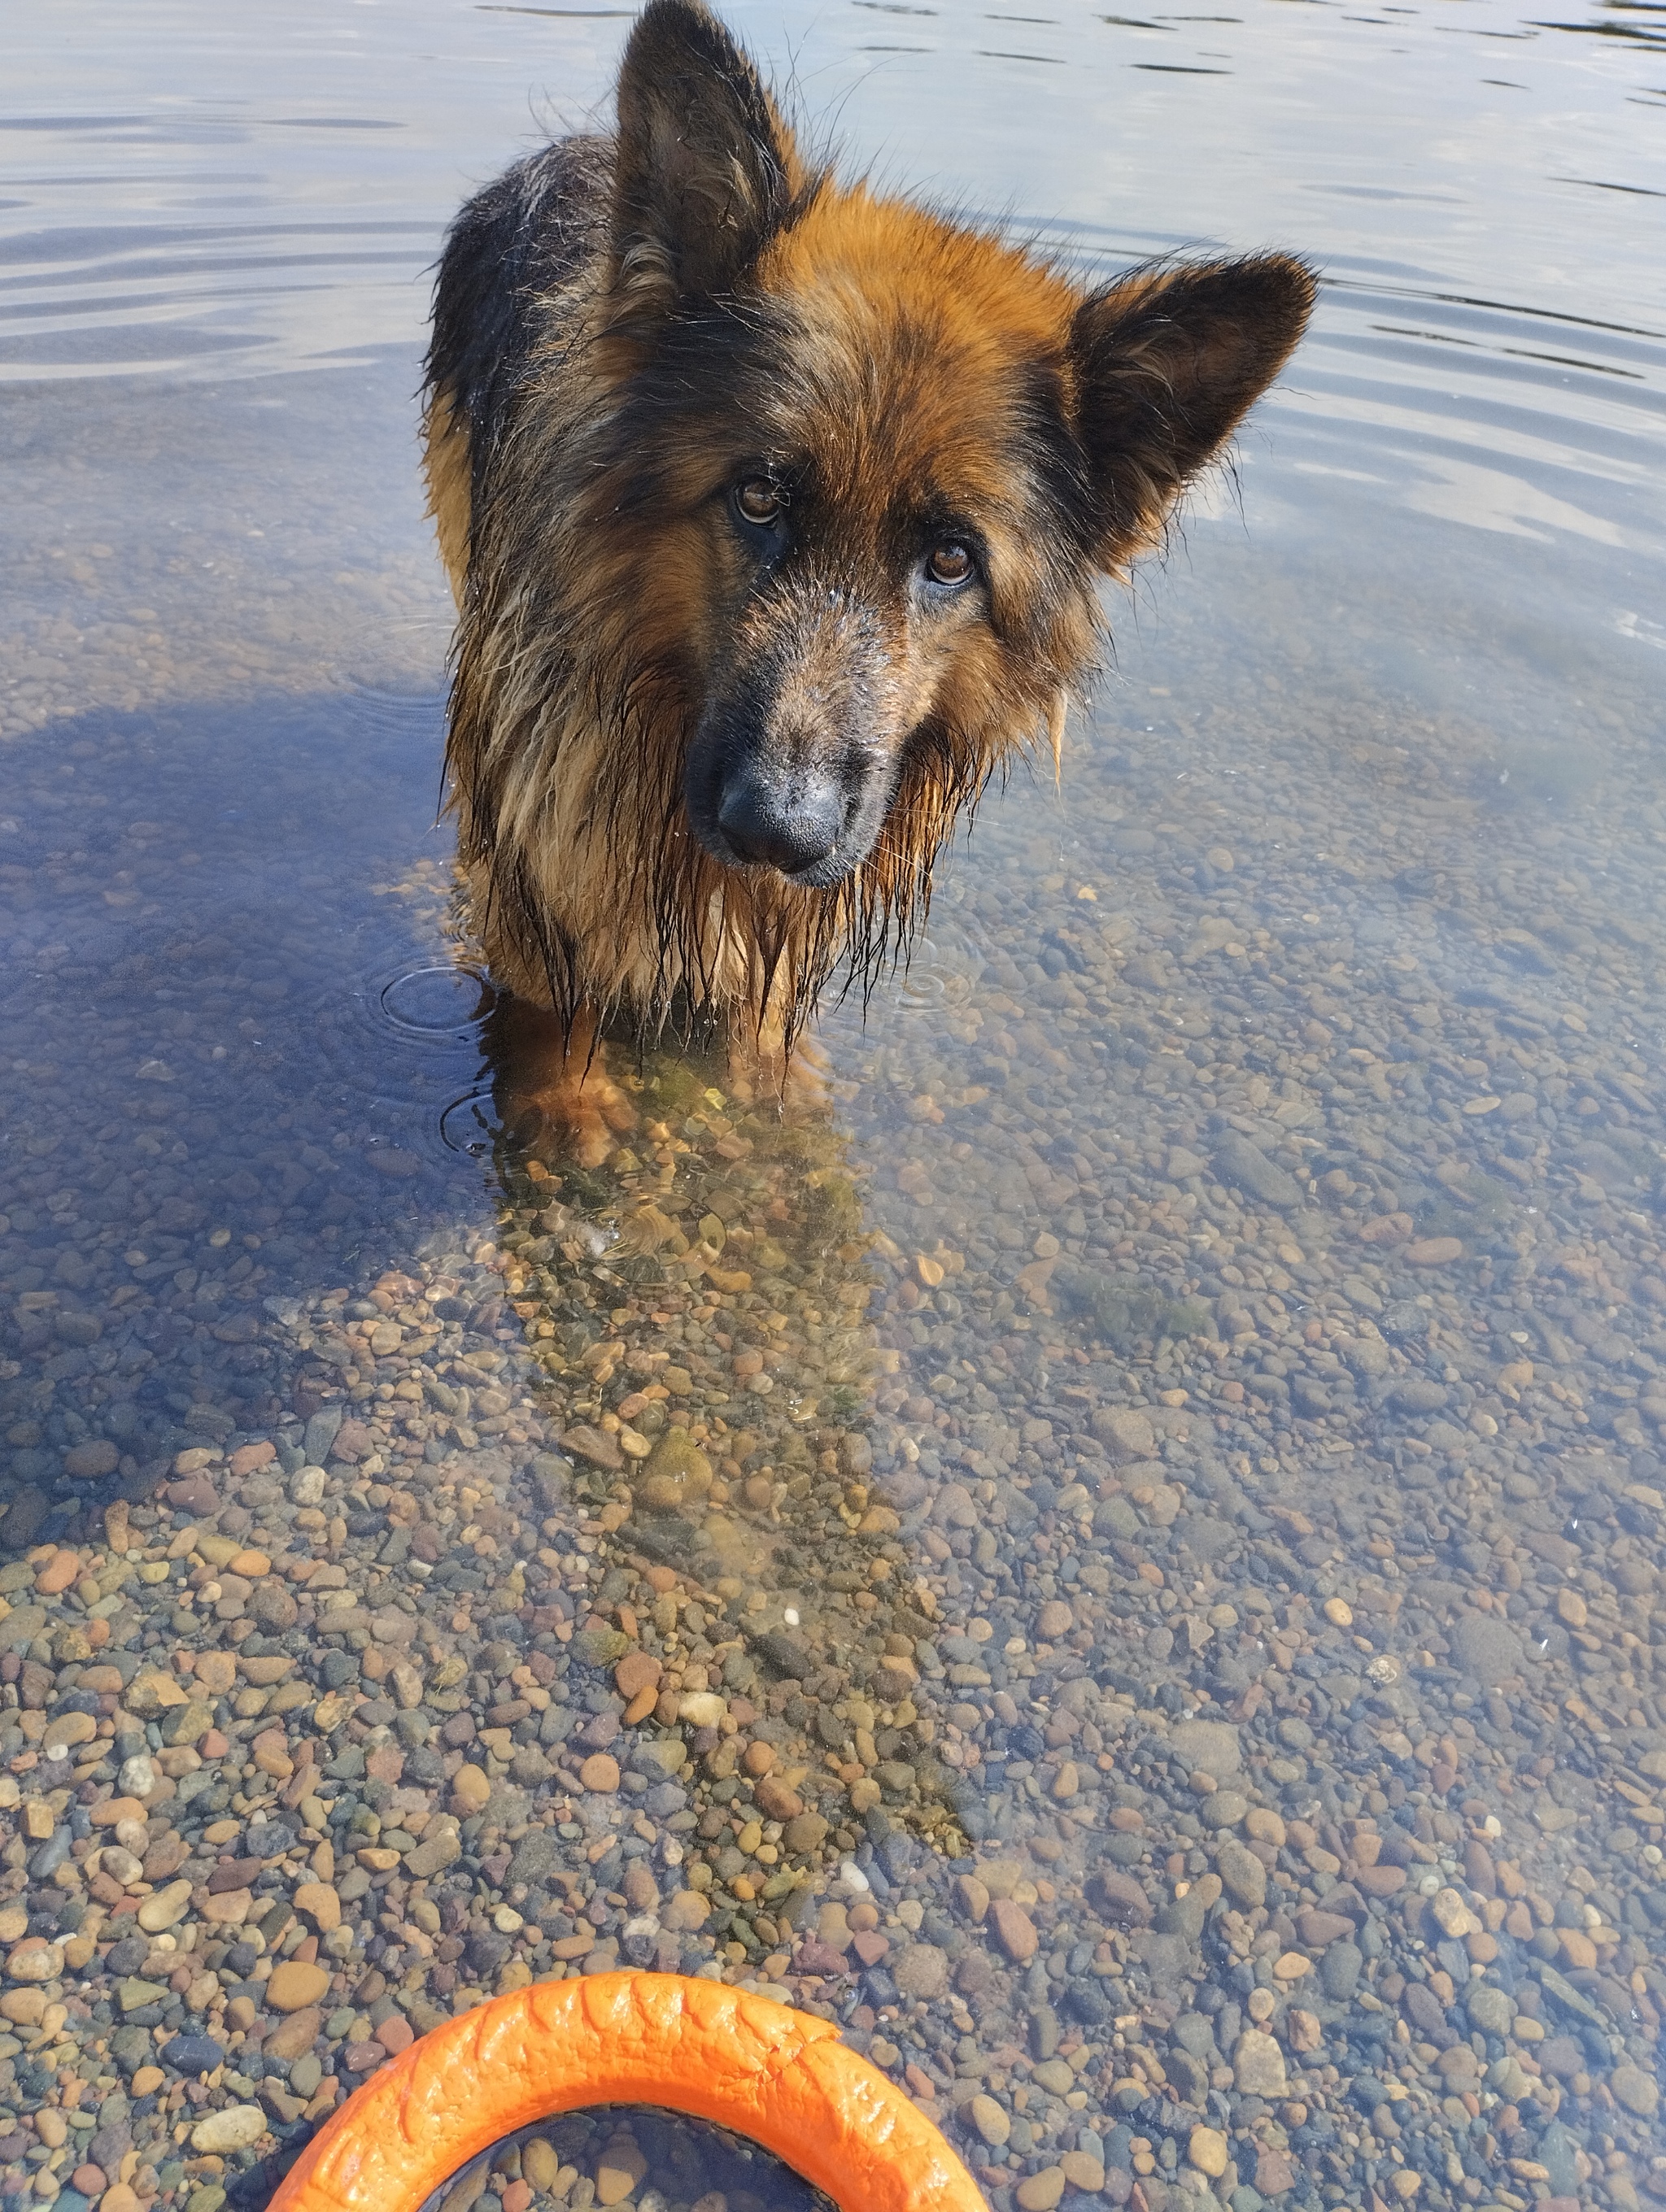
(876, 459)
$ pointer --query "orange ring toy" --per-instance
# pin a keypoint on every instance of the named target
(779, 2076)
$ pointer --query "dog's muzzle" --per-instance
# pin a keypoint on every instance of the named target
(792, 824)
(810, 817)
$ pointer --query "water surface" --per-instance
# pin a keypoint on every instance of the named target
(1123, 1565)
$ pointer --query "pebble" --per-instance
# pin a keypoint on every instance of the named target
(921, 1970)
(1453, 1915)
(619, 2169)
(1207, 2150)
(296, 1985)
(540, 2163)
(1014, 1929)
(295, 2032)
(990, 2119)
(471, 1787)
(1258, 2065)
(1243, 1874)
(320, 1903)
(192, 2054)
(234, 2127)
(1638, 2091)
(34, 1960)
(164, 1907)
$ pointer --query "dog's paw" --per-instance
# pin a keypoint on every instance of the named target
(798, 1082)
(807, 1082)
(589, 1137)
(611, 1102)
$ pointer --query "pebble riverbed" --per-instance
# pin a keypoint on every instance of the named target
(1120, 1565)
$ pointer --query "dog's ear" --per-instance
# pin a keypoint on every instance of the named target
(1166, 366)
(706, 167)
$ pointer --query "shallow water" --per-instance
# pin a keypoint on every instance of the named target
(1175, 1644)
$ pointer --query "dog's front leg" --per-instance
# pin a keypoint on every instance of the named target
(558, 1078)
(761, 1066)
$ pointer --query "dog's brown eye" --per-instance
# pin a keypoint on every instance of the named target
(950, 563)
(758, 500)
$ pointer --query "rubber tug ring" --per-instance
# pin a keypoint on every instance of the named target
(758, 2068)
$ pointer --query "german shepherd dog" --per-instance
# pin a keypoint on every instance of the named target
(773, 510)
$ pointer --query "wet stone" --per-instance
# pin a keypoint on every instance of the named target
(1639, 2091)
(1340, 1970)
(990, 2120)
(234, 2127)
(1258, 2068)
(1490, 2008)
(192, 2054)
(921, 1970)
(1013, 1930)
(1488, 1647)
(1041, 2192)
(294, 1985)
(1242, 1164)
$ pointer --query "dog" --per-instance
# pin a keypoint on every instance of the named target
(774, 511)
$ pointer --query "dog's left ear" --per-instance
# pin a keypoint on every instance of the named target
(1166, 366)
(706, 168)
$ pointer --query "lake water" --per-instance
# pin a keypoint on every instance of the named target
(1122, 1565)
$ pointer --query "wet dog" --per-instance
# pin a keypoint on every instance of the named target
(774, 511)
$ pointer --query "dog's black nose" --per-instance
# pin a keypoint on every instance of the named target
(791, 830)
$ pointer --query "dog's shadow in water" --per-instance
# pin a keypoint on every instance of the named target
(699, 1305)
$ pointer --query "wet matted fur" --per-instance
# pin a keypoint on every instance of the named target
(774, 509)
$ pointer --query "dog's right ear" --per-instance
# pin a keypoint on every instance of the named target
(1166, 363)
(706, 167)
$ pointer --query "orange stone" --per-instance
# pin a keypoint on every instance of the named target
(60, 1572)
(1578, 1949)
(1433, 1252)
(776, 1801)
(217, 1671)
(636, 1672)
(396, 2034)
(1380, 1880)
(295, 1985)
(1015, 1931)
(600, 1773)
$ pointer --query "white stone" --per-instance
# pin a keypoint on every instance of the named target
(233, 2129)
(164, 1906)
(138, 1776)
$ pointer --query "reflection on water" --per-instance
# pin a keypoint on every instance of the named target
(1120, 1561)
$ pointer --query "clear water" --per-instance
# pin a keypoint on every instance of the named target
(1275, 1108)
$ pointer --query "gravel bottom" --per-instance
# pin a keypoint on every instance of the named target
(655, 2161)
(1121, 1564)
